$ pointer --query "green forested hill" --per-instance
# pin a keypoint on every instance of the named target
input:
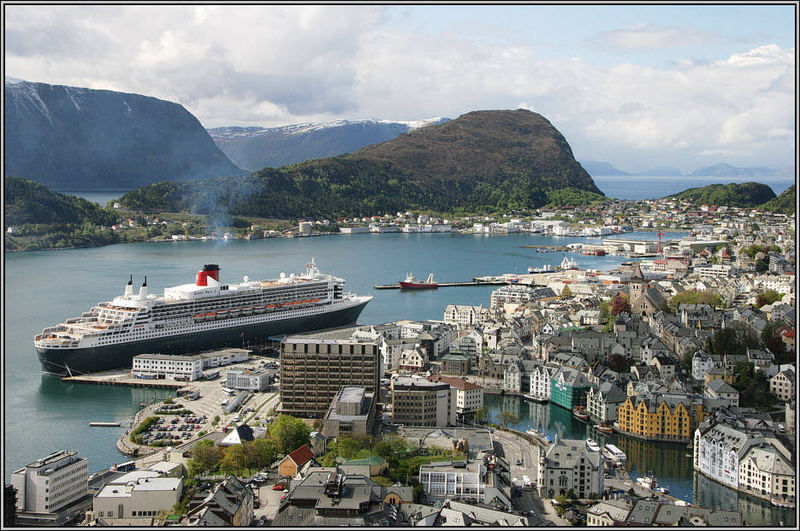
(485, 160)
(736, 195)
(30, 202)
(784, 203)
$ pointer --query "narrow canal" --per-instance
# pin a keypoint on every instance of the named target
(670, 463)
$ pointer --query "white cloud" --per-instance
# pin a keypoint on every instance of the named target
(642, 37)
(273, 65)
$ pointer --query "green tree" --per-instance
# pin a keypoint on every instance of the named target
(346, 447)
(481, 414)
(289, 433)
(566, 293)
(506, 417)
(392, 449)
(233, 460)
(768, 297)
(205, 457)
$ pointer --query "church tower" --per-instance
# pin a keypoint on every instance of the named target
(636, 290)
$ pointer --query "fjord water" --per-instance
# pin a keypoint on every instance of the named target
(654, 187)
(44, 414)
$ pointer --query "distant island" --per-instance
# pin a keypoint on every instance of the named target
(786, 203)
(746, 195)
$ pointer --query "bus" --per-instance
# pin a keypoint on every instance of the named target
(127, 466)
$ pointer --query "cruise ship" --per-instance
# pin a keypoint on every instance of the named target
(192, 317)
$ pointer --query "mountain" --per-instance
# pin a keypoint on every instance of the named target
(598, 168)
(784, 203)
(483, 160)
(28, 202)
(70, 138)
(733, 194)
(258, 147)
(726, 170)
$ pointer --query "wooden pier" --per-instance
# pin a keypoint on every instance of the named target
(450, 284)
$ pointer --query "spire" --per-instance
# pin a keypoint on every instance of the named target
(637, 273)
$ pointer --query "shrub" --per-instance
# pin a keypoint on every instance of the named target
(136, 435)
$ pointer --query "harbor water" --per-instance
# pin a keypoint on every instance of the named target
(44, 414)
(670, 463)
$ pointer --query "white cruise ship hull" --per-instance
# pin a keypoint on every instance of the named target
(230, 332)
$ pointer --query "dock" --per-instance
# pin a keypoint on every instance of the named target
(105, 424)
(498, 282)
(122, 377)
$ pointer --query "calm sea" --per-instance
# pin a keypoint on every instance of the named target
(650, 187)
(44, 414)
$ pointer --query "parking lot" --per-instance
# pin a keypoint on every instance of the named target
(174, 427)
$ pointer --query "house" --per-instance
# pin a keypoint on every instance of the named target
(569, 465)
(603, 401)
(238, 435)
(290, 464)
(608, 513)
(666, 365)
(230, 503)
(782, 385)
(140, 497)
(702, 363)
(722, 390)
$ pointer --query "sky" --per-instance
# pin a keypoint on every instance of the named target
(640, 86)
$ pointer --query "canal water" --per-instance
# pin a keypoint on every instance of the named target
(670, 463)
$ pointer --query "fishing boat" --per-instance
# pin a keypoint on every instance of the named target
(411, 282)
(662, 490)
(648, 482)
(580, 413)
(605, 428)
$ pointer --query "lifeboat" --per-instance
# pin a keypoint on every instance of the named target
(247, 311)
(259, 308)
(222, 314)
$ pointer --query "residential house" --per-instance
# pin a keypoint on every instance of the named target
(720, 389)
(782, 385)
(603, 401)
(569, 465)
(289, 465)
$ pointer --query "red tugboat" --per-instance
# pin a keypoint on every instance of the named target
(411, 282)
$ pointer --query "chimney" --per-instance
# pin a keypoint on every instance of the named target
(143, 290)
(129, 287)
(209, 270)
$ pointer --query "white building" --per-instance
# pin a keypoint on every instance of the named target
(540, 382)
(468, 396)
(463, 316)
(702, 363)
(168, 366)
(714, 271)
(50, 484)
(138, 497)
(248, 379)
(304, 227)
(442, 480)
(782, 385)
(569, 465)
(225, 356)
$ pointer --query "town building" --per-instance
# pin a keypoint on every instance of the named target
(568, 388)
(540, 379)
(720, 389)
(352, 412)
(328, 498)
(468, 396)
(52, 484)
(248, 379)
(456, 363)
(464, 316)
(294, 461)
(229, 503)
(782, 385)
(603, 401)
(137, 497)
(168, 366)
(315, 366)
(608, 513)
(418, 402)
(661, 417)
(569, 465)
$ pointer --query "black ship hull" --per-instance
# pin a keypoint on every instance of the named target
(96, 359)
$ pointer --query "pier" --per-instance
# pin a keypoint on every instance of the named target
(474, 282)
(105, 424)
(122, 377)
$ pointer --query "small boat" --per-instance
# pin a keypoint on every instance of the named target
(592, 445)
(531, 431)
(648, 482)
(662, 490)
(411, 282)
(580, 413)
(605, 428)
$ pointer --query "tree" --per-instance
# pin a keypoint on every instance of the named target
(768, 297)
(205, 458)
(392, 449)
(566, 293)
(289, 433)
(346, 447)
(620, 304)
(233, 460)
(506, 417)
(318, 423)
(481, 414)
(571, 494)
(619, 363)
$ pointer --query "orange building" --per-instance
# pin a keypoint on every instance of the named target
(660, 417)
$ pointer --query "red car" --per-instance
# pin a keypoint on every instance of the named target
(278, 487)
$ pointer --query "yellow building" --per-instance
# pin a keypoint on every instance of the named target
(720, 374)
(660, 417)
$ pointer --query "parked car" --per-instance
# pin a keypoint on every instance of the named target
(279, 487)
